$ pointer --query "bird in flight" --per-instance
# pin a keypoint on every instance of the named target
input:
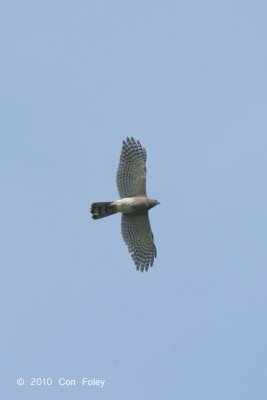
(133, 204)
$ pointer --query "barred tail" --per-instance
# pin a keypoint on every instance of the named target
(104, 209)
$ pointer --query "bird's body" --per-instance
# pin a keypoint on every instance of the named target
(134, 205)
(127, 205)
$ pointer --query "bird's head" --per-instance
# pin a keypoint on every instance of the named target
(152, 203)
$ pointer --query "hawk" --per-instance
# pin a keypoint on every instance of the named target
(133, 204)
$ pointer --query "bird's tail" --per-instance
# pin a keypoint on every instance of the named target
(104, 209)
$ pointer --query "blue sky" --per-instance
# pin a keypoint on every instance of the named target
(189, 81)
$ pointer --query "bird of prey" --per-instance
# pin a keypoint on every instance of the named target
(133, 204)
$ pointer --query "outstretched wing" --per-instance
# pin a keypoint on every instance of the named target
(138, 236)
(131, 174)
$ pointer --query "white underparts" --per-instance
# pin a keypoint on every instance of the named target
(125, 205)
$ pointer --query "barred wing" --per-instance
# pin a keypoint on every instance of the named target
(138, 236)
(131, 174)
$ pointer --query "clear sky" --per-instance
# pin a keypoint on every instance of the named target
(188, 79)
